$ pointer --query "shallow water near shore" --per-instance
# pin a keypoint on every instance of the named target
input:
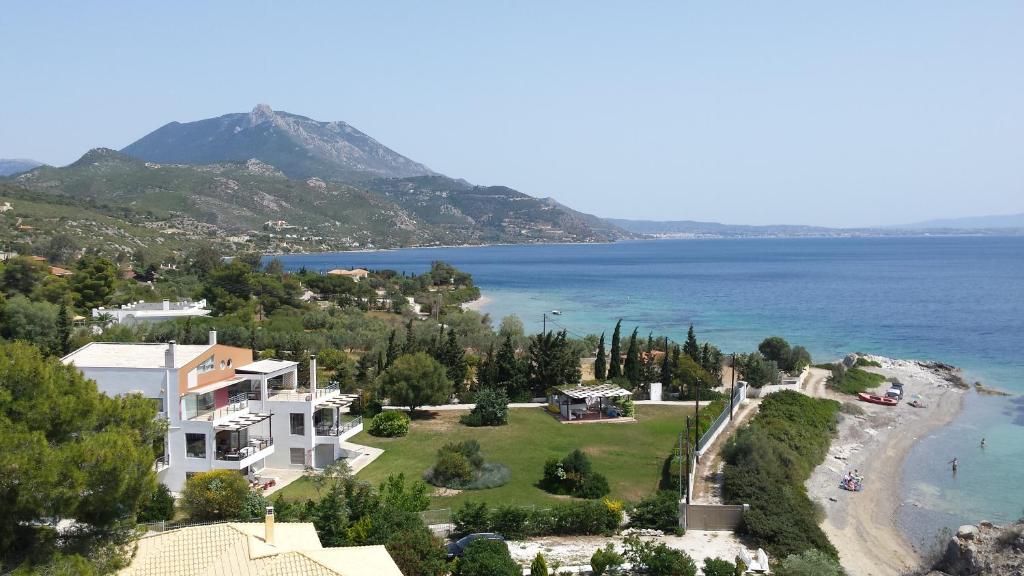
(958, 300)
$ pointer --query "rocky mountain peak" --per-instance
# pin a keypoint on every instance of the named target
(260, 114)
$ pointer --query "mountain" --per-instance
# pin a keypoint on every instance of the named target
(692, 228)
(1015, 221)
(298, 146)
(10, 166)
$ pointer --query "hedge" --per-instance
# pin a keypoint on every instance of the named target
(517, 522)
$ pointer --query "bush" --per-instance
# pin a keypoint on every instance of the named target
(854, 380)
(486, 558)
(255, 507)
(510, 521)
(451, 469)
(809, 563)
(574, 475)
(472, 517)
(625, 405)
(659, 511)
(159, 507)
(538, 567)
(417, 551)
(606, 560)
(215, 495)
(390, 424)
(491, 409)
(863, 362)
(461, 466)
(570, 519)
(657, 559)
(718, 567)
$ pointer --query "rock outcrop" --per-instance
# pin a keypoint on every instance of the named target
(984, 550)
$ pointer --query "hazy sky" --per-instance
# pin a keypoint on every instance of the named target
(837, 113)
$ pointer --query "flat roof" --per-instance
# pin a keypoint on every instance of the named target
(132, 355)
(266, 366)
(595, 391)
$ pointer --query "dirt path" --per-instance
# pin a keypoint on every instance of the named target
(707, 482)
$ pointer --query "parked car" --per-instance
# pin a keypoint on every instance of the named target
(896, 393)
(457, 548)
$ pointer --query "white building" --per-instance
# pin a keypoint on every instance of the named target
(223, 410)
(152, 311)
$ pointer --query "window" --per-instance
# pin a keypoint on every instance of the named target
(206, 365)
(297, 456)
(298, 421)
(195, 445)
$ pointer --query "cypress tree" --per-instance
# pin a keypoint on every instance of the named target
(631, 368)
(392, 351)
(485, 374)
(454, 362)
(410, 340)
(509, 371)
(666, 368)
(614, 366)
(63, 330)
(691, 348)
(600, 363)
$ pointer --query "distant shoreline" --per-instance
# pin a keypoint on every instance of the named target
(477, 304)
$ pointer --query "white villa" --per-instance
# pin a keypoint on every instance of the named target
(152, 311)
(223, 410)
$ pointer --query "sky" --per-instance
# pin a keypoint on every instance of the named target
(826, 113)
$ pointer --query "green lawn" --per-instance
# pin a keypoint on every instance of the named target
(631, 455)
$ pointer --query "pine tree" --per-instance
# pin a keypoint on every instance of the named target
(691, 348)
(631, 368)
(666, 368)
(601, 362)
(410, 339)
(63, 330)
(454, 361)
(509, 371)
(392, 350)
(614, 366)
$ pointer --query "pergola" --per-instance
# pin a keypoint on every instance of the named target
(234, 426)
(579, 399)
(336, 403)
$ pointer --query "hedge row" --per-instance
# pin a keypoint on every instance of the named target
(517, 522)
(767, 463)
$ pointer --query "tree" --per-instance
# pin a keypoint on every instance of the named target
(486, 371)
(204, 260)
(68, 451)
(410, 346)
(416, 550)
(159, 507)
(601, 362)
(631, 368)
(666, 367)
(718, 567)
(61, 248)
(689, 375)
(416, 380)
(330, 517)
(657, 559)
(809, 563)
(63, 331)
(215, 495)
(490, 409)
(454, 360)
(799, 358)
(614, 357)
(776, 348)
(509, 370)
(391, 354)
(486, 558)
(756, 370)
(92, 284)
(539, 567)
(21, 274)
(552, 362)
(691, 348)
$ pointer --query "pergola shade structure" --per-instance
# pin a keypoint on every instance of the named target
(595, 402)
(327, 419)
(242, 436)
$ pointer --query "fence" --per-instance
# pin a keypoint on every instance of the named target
(721, 423)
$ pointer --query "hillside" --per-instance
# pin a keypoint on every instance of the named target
(9, 166)
(685, 228)
(1011, 221)
(300, 147)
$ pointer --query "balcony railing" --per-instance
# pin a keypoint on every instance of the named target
(338, 429)
(328, 390)
(255, 445)
(161, 462)
(236, 403)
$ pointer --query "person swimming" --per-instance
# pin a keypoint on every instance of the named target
(982, 442)
(956, 463)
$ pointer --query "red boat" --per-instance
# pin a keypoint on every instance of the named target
(876, 399)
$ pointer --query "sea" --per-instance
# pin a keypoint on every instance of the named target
(955, 299)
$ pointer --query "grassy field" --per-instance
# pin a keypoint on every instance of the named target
(629, 454)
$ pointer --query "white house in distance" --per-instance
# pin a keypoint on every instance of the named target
(355, 274)
(152, 311)
(223, 410)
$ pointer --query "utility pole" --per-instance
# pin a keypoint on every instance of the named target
(732, 392)
(696, 417)
(686, 455)
(545, 331)
(681, 456)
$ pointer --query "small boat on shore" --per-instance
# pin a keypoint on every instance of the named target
(876, 399)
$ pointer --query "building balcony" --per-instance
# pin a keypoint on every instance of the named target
(301, 394)
(161, 463)
(255, 450)
(331, 432)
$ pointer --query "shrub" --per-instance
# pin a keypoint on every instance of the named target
(159, 507)
(606, 560)
(510, 521)
(809, 563)
(486, 558)
(461, 466)
(491, 409)
(450, 469)
(851, 408)
(626, 406)
(863, 362)
(657, 559)
(390, 424)
(718, 567)
(854, 380)
(658, 511)
(538, 567)
(470, 518)
(569, 519)
(417, 551)
(215, 495)
(574, 475)
(255, 507)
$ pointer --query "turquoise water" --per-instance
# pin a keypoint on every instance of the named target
(955, 299)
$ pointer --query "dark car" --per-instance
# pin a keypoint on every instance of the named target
(457, 548)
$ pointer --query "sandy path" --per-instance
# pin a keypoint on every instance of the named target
(707, 484)
(862, 526)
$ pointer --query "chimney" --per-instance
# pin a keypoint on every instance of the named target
(213, 337)
(169, 353)
(312, 374)
(167, 304)
(268, 536)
